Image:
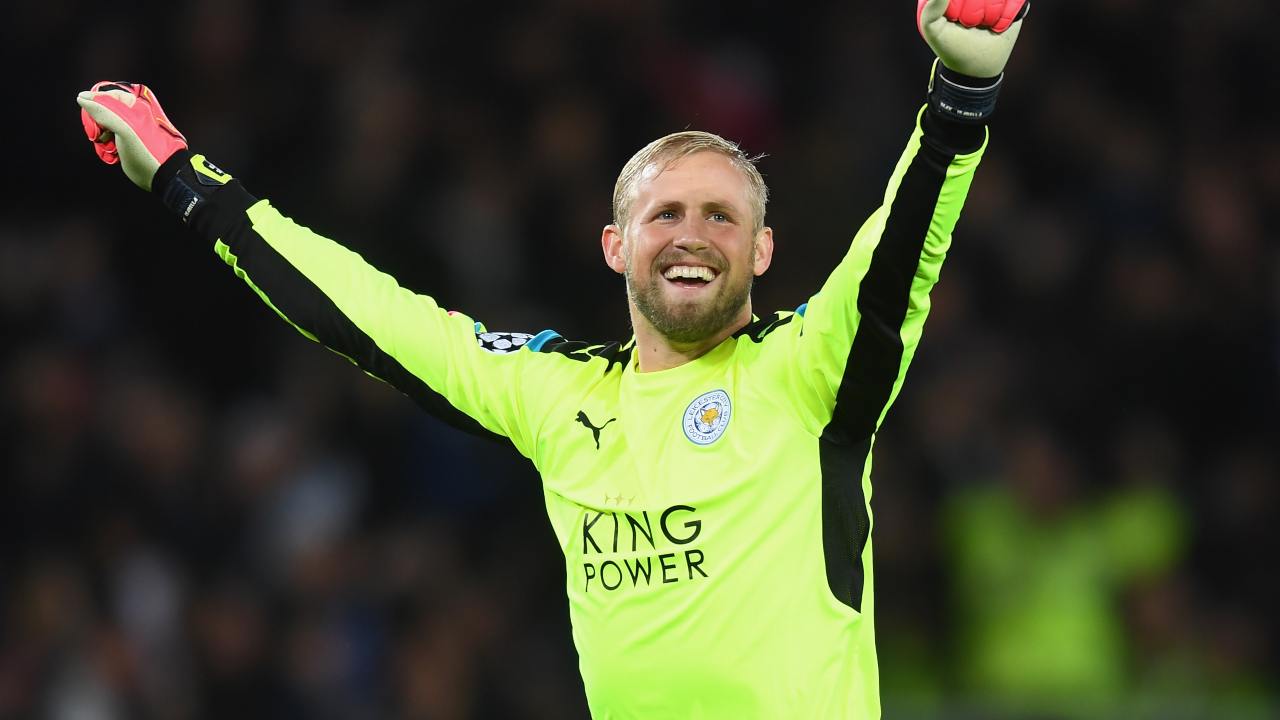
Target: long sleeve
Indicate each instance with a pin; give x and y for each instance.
(443, 360)
(844, 353)
(860, 331)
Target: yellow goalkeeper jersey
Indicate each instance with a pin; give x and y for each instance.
(714, 517)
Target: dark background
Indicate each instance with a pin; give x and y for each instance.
(203, 515)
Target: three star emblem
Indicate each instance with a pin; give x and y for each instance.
(618, 499)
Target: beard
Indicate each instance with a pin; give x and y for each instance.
(694, 320)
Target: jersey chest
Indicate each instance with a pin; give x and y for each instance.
(626, 444)
(650, 476)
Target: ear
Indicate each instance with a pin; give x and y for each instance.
(611, 242)
(762, 251)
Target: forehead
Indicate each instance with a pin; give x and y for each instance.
(700, 176)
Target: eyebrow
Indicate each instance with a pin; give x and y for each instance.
(709, 206)
(721, 206)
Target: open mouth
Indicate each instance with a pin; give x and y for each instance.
(689, 276)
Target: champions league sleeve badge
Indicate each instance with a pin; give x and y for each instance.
(707, 417)
(501, 343)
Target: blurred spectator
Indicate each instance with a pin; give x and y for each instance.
(1039, 572)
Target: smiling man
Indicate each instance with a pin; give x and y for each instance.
(709, 479)
(689, 236)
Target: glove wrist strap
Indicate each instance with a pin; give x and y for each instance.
(961, 97)
(186, 181)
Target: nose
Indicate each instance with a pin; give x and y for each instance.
(688, 237)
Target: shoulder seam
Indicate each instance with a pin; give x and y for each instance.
(615, 352)
(758, 330)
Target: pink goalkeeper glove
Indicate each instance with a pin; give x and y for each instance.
(996, 15)
(126, 124)
(972, 37)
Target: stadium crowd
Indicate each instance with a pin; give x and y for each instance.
(204, 515)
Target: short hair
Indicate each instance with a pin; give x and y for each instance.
(666, 150)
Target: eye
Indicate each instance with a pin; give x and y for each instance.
(665, 215)
(720, 217)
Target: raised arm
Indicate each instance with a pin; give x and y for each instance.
(860, 331)
(442, 360)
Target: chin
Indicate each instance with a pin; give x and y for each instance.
(692, 321)
(691, 315)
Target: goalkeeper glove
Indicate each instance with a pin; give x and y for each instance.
(973, 40)
(126, 124)
(972, 37)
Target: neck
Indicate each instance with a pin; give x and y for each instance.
(655, 351)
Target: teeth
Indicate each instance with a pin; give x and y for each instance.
(689, 272)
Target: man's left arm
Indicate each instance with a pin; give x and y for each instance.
(860, 331)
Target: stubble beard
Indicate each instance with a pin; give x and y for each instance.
(692, 321)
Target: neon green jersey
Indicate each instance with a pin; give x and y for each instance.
(714, 517)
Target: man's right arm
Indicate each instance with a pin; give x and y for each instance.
(442, 360)
(331, 295)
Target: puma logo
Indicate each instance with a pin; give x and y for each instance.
(595, 431)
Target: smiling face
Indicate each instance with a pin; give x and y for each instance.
(690, 247)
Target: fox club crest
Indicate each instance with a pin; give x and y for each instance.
(707, 417)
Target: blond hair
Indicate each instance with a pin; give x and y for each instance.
(666, 150)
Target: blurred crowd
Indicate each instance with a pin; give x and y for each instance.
(204, 515)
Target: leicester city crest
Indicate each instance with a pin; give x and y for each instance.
(707, 417)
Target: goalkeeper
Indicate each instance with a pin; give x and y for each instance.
(708, 480)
